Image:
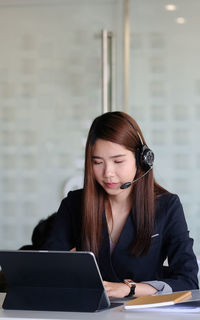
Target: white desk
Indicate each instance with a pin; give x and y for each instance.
(111, 314)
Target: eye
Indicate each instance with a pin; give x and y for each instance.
(97, 162)
(119, 161)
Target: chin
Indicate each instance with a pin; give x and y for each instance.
(113, 191)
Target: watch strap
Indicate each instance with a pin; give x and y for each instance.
(132, 287)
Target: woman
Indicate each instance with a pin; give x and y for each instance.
(130, 222)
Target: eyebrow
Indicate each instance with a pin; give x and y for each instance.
(112, 157)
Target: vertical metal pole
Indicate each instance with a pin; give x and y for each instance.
(104, 71)
(126, 54)
(110, 71)
(107, 71)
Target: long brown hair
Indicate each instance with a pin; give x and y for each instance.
(120, 128)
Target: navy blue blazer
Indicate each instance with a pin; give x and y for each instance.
(170, 239)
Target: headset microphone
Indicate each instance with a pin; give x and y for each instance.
(128, 184)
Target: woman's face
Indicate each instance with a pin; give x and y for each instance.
(113, 165)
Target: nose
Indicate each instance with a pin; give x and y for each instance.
(108, 170)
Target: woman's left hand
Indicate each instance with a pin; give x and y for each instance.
(116, 289)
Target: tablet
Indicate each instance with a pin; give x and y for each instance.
(53, 281)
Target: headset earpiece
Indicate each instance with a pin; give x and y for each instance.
(146, 157)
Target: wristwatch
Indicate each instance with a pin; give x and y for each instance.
(132, 287)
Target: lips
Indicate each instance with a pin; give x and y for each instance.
(111, 185)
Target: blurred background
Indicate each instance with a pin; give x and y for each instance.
(64, 62)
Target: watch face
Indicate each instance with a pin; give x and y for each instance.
(129, 282)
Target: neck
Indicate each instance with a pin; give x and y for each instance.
(117, 211)
(120, 203)
(123, 197)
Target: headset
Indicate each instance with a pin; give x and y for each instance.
(144, 156)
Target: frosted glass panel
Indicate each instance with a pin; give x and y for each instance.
(50, 90)
(165, 95)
